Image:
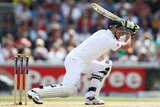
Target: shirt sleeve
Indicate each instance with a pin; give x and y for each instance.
(122, 38)
(117, 45)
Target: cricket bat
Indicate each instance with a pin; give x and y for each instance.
(106, 13)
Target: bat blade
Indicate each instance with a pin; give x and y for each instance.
(106, 13)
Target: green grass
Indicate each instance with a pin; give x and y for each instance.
(9, 98)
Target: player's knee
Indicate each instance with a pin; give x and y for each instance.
(101, 74)
(107, 67)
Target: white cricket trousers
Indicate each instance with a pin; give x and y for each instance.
(74, 67)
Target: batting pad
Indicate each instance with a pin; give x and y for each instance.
(56, 91)
(109, 62)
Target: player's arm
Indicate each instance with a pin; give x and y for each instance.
(127, 43)
(132, 30)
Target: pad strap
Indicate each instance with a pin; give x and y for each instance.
(97, 77)
(41, 87)
(92, 89)
(105, 71)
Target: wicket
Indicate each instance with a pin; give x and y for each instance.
(23, 72)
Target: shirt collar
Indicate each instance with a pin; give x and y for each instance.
(111, 34)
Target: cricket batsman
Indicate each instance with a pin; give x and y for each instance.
(83, 58)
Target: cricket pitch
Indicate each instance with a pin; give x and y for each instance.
(7, 101)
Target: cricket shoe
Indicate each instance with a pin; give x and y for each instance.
(94, 101)
(32, 95)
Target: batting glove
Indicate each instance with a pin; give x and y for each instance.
(132, 26)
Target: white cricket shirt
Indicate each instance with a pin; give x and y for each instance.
(95, 46)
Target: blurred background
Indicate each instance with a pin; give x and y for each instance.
(47, 30)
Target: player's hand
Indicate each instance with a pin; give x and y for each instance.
(134, 28)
